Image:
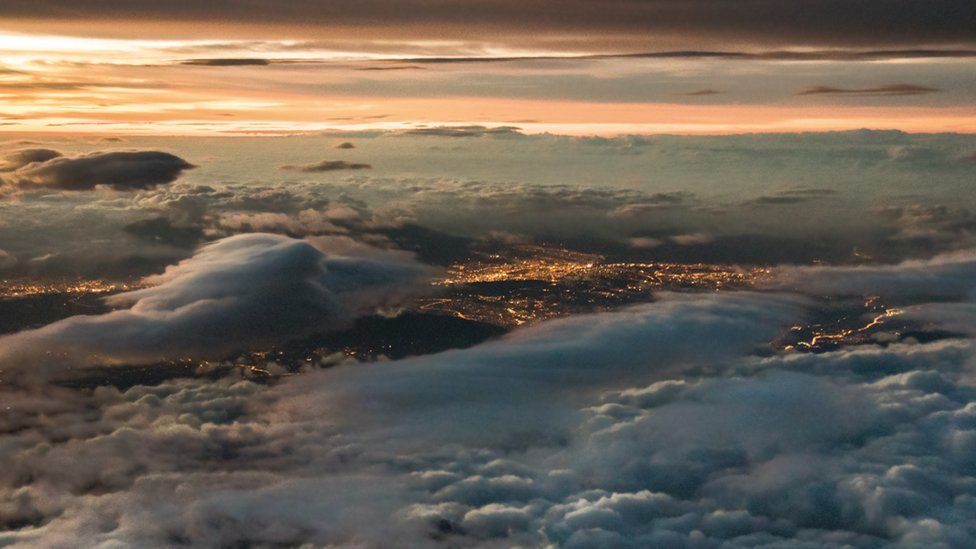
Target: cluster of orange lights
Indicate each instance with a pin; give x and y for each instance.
(553, 282)
(11, 289)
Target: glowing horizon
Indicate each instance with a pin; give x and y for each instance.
(65, 84)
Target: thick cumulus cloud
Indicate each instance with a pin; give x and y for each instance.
(122, 170)
(233, 294)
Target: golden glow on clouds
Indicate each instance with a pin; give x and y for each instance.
(63, 45)
(99, 85)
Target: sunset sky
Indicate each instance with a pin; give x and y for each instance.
(623, 66)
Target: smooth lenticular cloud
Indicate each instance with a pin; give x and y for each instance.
(232, 295)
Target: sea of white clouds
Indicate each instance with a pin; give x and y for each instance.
(667, 424)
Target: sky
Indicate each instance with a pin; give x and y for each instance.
(220, 223)
(577, 68)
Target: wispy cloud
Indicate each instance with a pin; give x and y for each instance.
(227, 62)
(326, 166)
(702, 93)
(890, 90)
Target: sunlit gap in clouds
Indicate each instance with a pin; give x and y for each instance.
(133, 51)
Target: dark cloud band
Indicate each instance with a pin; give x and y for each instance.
(823, 22)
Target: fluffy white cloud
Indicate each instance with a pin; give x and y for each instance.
(229, 462)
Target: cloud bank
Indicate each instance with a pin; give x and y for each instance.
(122, 171)
(654, 426)
(18, 159)
(944, 277)
(668, 424)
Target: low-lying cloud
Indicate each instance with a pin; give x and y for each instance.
(945, 277)
(672, 423)
(122, 170)
(653, 426)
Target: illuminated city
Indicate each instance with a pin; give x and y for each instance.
(12, 289)
(532, 283)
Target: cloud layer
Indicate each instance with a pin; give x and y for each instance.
(595, 192)
(673, 423)
(655, 426)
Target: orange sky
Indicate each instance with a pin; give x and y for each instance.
(67, 84)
